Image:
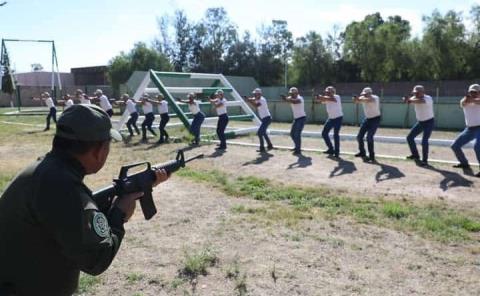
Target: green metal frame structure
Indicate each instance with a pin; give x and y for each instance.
(157, 79)
(5, 64)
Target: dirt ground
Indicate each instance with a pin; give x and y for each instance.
(314, 256)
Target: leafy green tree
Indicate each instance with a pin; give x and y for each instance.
(445, 41)
(312, 63)
(140, 58)
(241, 58)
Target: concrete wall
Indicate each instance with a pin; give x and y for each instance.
(448, 115)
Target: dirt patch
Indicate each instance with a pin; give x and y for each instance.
(313, 257)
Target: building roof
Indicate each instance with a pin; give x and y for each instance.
(43, 78)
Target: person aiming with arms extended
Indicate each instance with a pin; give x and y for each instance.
(259, 102)
(52, 110)
(369, 126)
(131, 108)
(198, 117)
(425, 122)
(147, 123)
(333, 104)
(104, 102)
(299, 117)
(50, 227)
(471, 109)
(220, 103)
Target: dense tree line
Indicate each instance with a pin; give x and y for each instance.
(374, 49)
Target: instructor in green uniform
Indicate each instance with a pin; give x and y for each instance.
(50, 228)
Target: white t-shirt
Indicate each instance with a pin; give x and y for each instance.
(68, 104)
(298, 109)
(424, 111)
(372, 109)
(105, 103)
(84, 101)
(194, 107)
(263, 108)
(49, 103)
(163, 107)
(472, 114)
(334, 109)
(131, 106)
(222, 109)
(147, 107)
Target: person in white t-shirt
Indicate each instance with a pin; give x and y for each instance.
(104, 102)
(82, 98)
(220, 103)
(147, 123)
(333, 104)
(198, 116)
(52, 110)
(164, 119)
(131, 108)
(369, 126)
(299, 117)
(67, 102)
(471, 109)
(425, 122)
(262, 108)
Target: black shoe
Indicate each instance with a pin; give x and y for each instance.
(461, 166)
(423, 163)
(46, 129)
(269, 147)
(370, 159)
(261, 149)
(329, 152)
(160, 141)
(221, 148)
(360, 154)
(297, 152)
(477, 175)
(144, 140)
(413, 157)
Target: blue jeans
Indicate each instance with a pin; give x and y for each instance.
(369, 126)
(296, 132)
(164, 119)
(52, 114)
(221, 126)
(421, 126)
(196, 125)
(262, 132)
(468, 134)
(132, 121)
(147, 123)
(336, 124)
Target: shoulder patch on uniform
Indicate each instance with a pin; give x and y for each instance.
(100, 225)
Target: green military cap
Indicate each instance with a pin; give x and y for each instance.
(86, 123)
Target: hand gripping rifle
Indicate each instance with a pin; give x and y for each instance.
(138, 182)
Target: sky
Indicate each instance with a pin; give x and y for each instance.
(91, 32)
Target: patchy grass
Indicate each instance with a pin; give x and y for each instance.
(431, 221)
(134, 277)
(86, 284)
(240, 279)
(196, 263)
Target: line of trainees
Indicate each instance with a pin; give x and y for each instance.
(423, 105)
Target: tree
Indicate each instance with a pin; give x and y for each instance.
(241, 58)
(444, 40)
(140, 58)
(312, 63)
(360, 46)
(36, 67)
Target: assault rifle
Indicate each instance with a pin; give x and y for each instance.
(138, 182)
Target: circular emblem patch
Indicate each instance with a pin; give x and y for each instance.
(100, 225)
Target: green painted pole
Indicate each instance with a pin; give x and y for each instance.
(158, 83)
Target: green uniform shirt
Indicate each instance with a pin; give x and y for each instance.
(51, 229)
